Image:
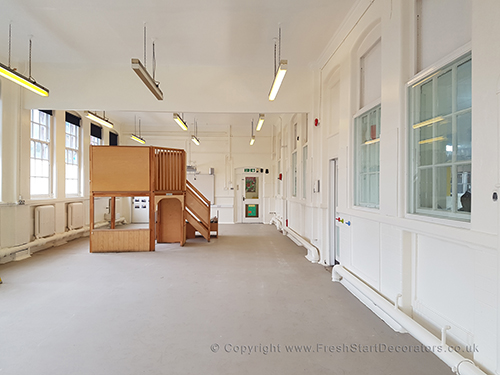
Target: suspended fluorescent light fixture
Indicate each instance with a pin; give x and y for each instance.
(138, 139)
(11, 74)
(100, 120)
(194, 138)
(135, 137)
(252, 140)
(180, 121)
(260, 123)
(279, 74)
(143, 74)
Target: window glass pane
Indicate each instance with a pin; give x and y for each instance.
(425, 188)
(425, 101)
(464, 88)
(464, 136)
(464, 195)
(444, 96)
(36, 131)
(45, 151)
(32, 149)
(443, 188)
(35, 115)
(443, 142)
(424, 135)
(38, 150)
(45, 169)
(294, 174)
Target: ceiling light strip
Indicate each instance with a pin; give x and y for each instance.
(260, 123)
(278, 79)
(180, 121)
(150, 83)
(137, 139)
(23, 81)
(99, 119)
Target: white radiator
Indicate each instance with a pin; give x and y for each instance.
(44, 221)
(75, 215)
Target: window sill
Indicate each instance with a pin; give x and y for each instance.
(439, 220)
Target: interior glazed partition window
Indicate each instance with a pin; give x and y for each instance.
(367, 158)
(40, 154)
(72, 157)
(440, 142)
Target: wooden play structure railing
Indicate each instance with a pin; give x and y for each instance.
(176, 208)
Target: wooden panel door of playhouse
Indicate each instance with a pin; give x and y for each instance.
(170, 222)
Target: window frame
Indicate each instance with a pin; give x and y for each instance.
(357, 157)
(78, 152)
(450, 63)
(50, 157)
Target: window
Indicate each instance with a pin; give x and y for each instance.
(304, 172)
(294, 174)
(367, 158)
(95, 135)
(113, 139)
(72, 154)
(440, 142)
(40, 154)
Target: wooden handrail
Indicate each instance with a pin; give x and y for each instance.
(203, 198)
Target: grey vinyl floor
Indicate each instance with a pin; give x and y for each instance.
(245, 303)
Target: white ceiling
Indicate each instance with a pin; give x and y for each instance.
(199, 33)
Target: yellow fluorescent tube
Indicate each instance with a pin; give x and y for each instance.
(18, 78)
(137, 139)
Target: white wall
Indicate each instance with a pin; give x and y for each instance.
(447, 272)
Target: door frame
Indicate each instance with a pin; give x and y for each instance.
(334, 251)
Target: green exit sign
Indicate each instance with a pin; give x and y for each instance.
(250, 170)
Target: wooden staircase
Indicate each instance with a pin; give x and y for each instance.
(197, 211)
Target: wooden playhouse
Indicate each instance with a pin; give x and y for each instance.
(176, 209)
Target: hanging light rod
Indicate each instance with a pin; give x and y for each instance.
(260, 123)
(252, 140)
(26, 82)
(100, 120)
(143, 74)
(180, 121)
(279, 73)
(137, 139)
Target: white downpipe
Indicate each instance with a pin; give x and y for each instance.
(8, 251)
(312, 251)
(455, 361)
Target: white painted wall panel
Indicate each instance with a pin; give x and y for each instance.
(365, 255)
(445, 26)
(371, 79)
(445, 284)
(391, 261)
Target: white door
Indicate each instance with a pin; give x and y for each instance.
(251, 197)
(332, 208)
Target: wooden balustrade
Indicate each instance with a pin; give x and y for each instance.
(170, 170)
